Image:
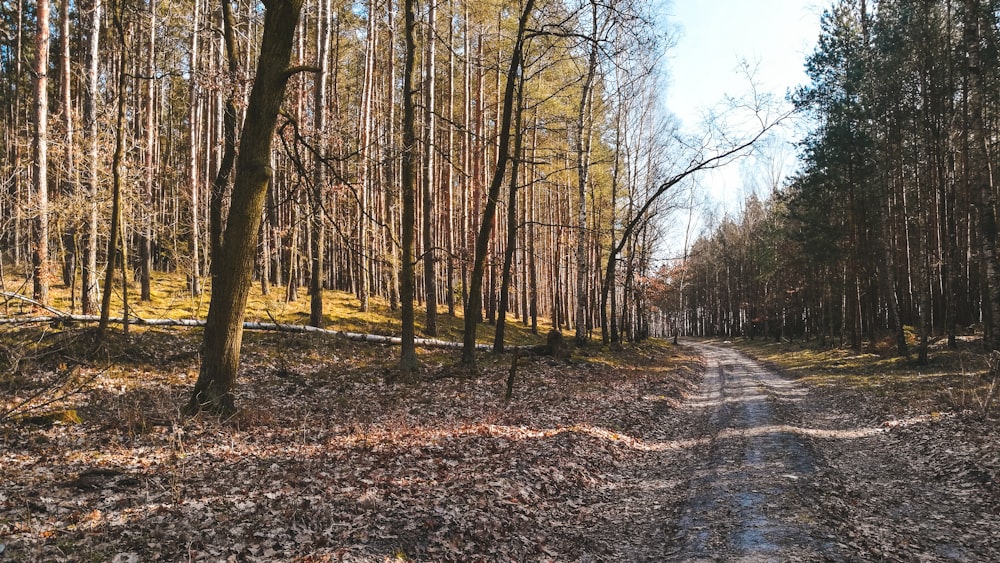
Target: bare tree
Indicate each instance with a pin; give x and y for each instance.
(149, 95)
(117, 250)
(220, 186)
(88, 286)
(503, 154)
(224, 329)
(40, 256)
(318, 211)
(66, 109)
(512, 220)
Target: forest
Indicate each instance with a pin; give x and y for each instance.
(288, 280)
(887, 234)
(478, 158)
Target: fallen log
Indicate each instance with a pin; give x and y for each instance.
(64, 317)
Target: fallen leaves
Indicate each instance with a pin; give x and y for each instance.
(328, 462)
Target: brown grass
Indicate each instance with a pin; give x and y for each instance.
(953, 379)
(171, 299)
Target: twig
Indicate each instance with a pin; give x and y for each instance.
(62, 381)
(510, 378)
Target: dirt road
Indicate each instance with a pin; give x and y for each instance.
(753, 497)
(756, 467)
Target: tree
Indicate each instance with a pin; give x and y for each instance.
(88, 286)
(980, 170)
(117, 250)
(512, 219)
(213, 391)
(407, 276)
(66, 109)
(40, 256)
(149, 180)
(367, 153)
(427, 181)
(584, 142)
(903, 98)
(318, 214)
(486, 226)
(194, 138)
(698, 163)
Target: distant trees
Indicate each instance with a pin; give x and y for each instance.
(891, 220)
(483, 238)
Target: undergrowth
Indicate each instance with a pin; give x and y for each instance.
(171, 299)
(961, 379)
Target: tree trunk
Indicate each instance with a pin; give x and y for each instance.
(88, 285)
(40, 255)
(430, 283)
(583, 144)
(149, 97)
(220, 186)
(391, 199)
(194, 123)
(368, 169)
(115, 243)
(449, 181)
(982, 173)
(407, 277)
(66, 108)
(224, 329)
(485, 227)
(508, 255)
(531, 210)
(319, 178)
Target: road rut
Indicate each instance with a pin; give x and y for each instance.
(751, 496)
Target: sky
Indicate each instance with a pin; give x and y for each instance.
(712, 38)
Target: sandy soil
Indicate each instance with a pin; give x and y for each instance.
(766, 469)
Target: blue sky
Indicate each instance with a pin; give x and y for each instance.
(712, 37)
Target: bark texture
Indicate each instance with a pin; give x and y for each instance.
(224, 329)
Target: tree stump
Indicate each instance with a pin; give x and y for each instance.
(555, 345)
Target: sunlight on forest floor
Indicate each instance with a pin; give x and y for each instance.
(953, 379)
(324, 458)
(170, 298)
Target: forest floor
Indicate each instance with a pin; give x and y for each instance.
(614, 455)
(325, 460)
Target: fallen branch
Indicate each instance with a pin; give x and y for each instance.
(61, 389)
(510, 377)
(26, 299)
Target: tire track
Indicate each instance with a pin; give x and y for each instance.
(752, 497)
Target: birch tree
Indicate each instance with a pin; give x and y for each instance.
(90, 183)
(40, 255)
